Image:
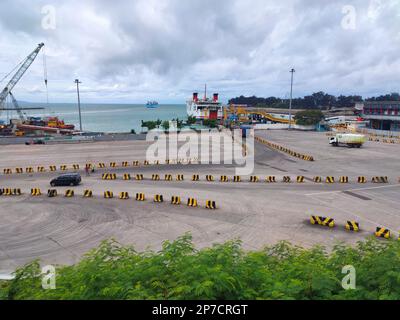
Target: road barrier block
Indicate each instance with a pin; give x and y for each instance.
(113, 164)
(382, 233)
(156, 162)
(109, 176)
(19, 170)
(330, 179)
(69, 193)
(179, 177)
(195, 177)
(16, 192)
(317, 179)
(88, 193)
(125, 164)
(140, 197)
(158, 198)
(237, 179)
(7, 171)
(63, 167)
(7, 192)
(108, 194)
(175, 200)
(53, 168)
(362, 179)
(35, 192)
(254, 179)
(286, 179)
(192, 202)
(210, 204)
(209, 178)
(146, 163)
(29, 170)
(300, 179)
(126, 176)
(51, 193)
(322, 221)
(167, 161)
(41, 169)
(101, 165)
(124, 195)
(270, 179)
(75, 166)
(344, 179)
(223, 179)
(168, 177)
(135, 163)
(155, 177)
(139, 177)
(380, 180)
(352, 226)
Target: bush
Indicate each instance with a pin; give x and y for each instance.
(308, 117)
(224, 271)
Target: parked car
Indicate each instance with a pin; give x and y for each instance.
(69, 179)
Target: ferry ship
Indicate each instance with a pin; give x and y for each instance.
(152, 104)
(205, 108)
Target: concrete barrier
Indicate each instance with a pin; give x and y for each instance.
(108, 194)
(382, 233)
(191, 202)
(35, 192)
(158, 198)
(124, 195)
(175, 200)
(87, 193)
(322, 221)
(179, 177)
(211, 205)
(69, 193)
(352, 226)
(51, 193)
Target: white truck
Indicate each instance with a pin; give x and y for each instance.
(349, 139)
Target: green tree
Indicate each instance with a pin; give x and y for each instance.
(191, 120)
(308, 117)
(165, 125)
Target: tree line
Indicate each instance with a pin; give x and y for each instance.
(319, 100)
(223, 271)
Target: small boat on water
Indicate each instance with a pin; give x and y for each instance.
(152, 104)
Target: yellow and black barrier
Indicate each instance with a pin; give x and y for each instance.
(135, 163)
(69, 193)
(88, 193)
(35, 192)
(63, 167)
(195, 177)
(139, 177)
(124, 195)
(140, 197)
(179, 177)
(127, 176)
(237, 179)
(224, 179)
(270, 179)
(209, 178)
(344, 179)
(286, 179)
(125, 164)
(75, 166)
(352, 226)
(156, 162)
(317, 179)
(101, 165)
(53, 168)
(7, 171)
(146, 163)
(158, 198)
(382, 233)
(16, 192)
(113, 164)
(108, 194)
(29, 170)
(155, 177)
(300, 179)
(168, 177)
(109, 176)
(19, 170)
(7, 192)
(51, 193)
(192, 202)
(41, 169)
(254, 179)
(330, 179)
(175, 200)
(210, 204)
(322, 221)
(362, 179)
(380, 180)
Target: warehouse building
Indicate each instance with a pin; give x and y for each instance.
(382, 115)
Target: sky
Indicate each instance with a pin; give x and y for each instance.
(139, 50)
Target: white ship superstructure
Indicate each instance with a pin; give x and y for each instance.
(205, 108)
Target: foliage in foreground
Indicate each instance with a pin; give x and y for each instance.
(224, 271)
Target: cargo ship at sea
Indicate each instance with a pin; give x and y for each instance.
(205, 108)
(152, 104)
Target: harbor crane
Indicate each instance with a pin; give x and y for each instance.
(23, 67)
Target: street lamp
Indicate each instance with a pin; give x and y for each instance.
(291, 95)
(79, 103)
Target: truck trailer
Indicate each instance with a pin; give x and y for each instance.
(347, 139)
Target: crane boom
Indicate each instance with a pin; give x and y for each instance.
(18, 75)
(17, 107)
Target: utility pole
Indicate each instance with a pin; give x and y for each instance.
(79, 103)
(291, 95)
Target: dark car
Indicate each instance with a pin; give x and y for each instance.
(69, 179)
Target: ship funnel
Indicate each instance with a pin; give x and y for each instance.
(215, 97)
(195, 96)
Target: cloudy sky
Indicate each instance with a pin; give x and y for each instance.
(136, 50)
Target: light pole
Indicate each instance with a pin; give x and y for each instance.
(79, 103)
(291, 95)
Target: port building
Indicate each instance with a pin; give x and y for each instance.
(382, 115)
